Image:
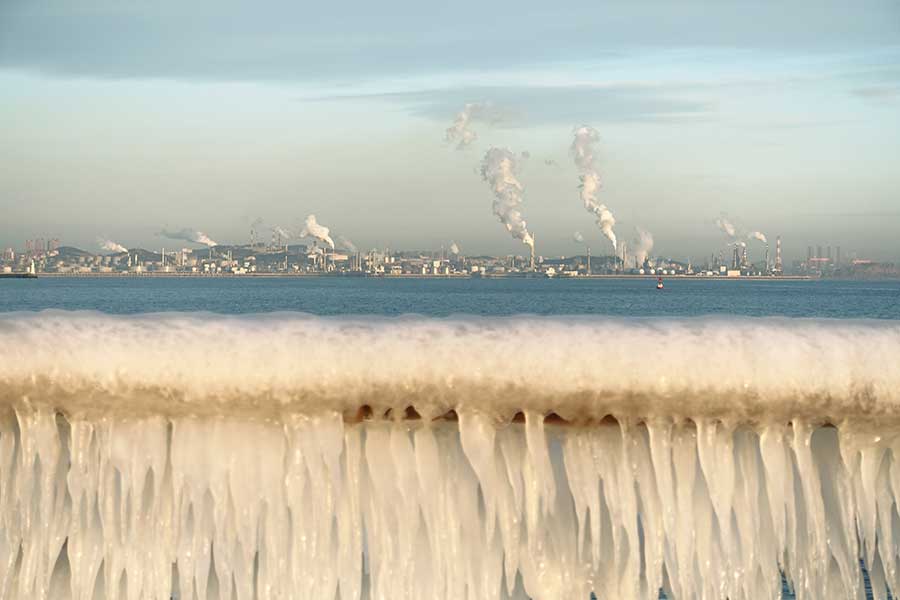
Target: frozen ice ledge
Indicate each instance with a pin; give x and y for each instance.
(745, 370)
(288, 456)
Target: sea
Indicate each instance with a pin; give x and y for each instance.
(433, 297)
(459, 297)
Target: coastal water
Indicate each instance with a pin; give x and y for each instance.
(445, 297)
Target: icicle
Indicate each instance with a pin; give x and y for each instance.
(307, 507)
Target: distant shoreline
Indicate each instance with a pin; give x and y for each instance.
(415, 276)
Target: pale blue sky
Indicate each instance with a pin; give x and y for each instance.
(121, 118)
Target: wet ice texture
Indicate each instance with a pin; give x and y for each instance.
(309, 507)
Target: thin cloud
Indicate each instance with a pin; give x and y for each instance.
(525, 105)
(882, 93)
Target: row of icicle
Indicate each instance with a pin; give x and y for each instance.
(312, 508)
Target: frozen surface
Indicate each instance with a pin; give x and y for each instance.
(582, 368)
(212, 457)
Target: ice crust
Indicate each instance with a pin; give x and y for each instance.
(755, 370)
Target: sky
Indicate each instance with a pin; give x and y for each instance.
(120, 119)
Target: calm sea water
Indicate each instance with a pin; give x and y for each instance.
(442, 297)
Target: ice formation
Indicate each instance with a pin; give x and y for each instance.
(217, 457)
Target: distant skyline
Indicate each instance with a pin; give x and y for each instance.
(121, 120)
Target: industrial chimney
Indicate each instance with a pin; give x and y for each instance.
(532, 253)
(779, 267)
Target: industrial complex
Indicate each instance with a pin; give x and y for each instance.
(279, 257)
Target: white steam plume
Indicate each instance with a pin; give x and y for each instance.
(111, 245)
(498, 168)
(189, 235)
(726, 226)
(346, 244)
(643, 244)
(578, 237)
(583, 153)
(312, 229)
(454, 248)
(757, 235)
(731, 231)
(461, 132)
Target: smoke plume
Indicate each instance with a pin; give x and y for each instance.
(498, 169)
(346, 244)
(757, 235)
(312, 229)
(461, 132)
(454, 249)
(729, 229)
(189, 235)
(726, 226)
(111, 245)
(578, 237)
(583, 153)
(643, 244)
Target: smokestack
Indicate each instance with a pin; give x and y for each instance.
(779, 268)
(589, 260)
(532, 252)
